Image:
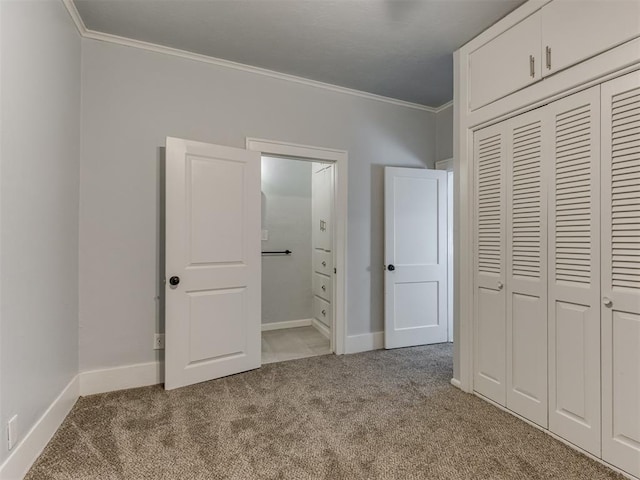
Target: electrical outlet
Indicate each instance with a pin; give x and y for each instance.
(12, 431)
(158, 341)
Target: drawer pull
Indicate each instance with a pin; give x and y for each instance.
(324, 313)
(532, 66)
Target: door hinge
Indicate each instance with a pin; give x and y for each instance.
(335, 270)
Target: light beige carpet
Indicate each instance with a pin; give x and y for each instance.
(375, 415)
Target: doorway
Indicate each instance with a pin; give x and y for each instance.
(297, 258)
(213, 256)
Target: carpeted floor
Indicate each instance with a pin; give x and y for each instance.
(375, 415)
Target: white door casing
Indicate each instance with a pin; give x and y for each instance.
(489, 264)
(621, 273)
(574, 269)
(415, 257)
(213, 247)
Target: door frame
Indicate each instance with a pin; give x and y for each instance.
(447, 165)
(340, 159)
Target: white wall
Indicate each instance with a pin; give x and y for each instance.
(444, 134)
(39, 152)
(132, 99)
(286, 214)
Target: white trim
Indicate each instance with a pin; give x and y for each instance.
(365, 342)
(29, 449)
(456, 383)
(321, 327)
(340, 157)
(152, 47)
(557, 437)
(75, 16)
(121, 378)
(444, 106)
(304, 322)
(445, 165)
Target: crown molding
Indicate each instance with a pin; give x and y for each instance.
(152, 47)
(75, 16)
(444, 106)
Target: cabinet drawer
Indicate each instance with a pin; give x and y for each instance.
(323, 286)
(323, 262)
(323, 311)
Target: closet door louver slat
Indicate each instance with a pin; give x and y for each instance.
(489, 240)
(574, 269)
(621, 273)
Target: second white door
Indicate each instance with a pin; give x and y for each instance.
(415, 257)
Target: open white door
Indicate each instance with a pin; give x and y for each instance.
(212, 293)
(415, 279)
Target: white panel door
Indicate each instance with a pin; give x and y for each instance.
(415, 281)
(574, 269)
(621, 273)
(489, 246)
(573, 31)
(212, 262)
(526, 284)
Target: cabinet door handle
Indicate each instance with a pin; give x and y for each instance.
(532, 66)
(607, 302)
(500, 285)
(548, 51)
(323, 288)
(324, 313)
(324, 264)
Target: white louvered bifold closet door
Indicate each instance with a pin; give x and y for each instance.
(489, 240)
(621, 273)
(526, 285)
(574, 269)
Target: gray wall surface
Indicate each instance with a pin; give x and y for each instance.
(132, 99)
(444, 134)
(286, 214)
(39, 161)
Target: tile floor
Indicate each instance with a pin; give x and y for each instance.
(292, 343)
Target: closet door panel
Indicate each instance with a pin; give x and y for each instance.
(574, 269)
(621, 273)
(489, 240)
(526, 285)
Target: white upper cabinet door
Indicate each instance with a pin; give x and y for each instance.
(573, 31)
(526, 285)
(621, 273)
(212, 293)
(507, 63)
(574, 269)
(490, 258)
(415, 281)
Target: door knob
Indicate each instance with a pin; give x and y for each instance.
(607, 302)
(391, 268)
(500, 285)
(174, 281)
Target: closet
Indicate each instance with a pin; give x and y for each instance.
(322, 239)
(557, 269)
(548, 163)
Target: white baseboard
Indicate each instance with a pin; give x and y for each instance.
(321, 327)
(456, 383)
(305, 322)
(29, 449)
(365, 342)
(120, 378)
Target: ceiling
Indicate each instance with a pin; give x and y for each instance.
(396, 48)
